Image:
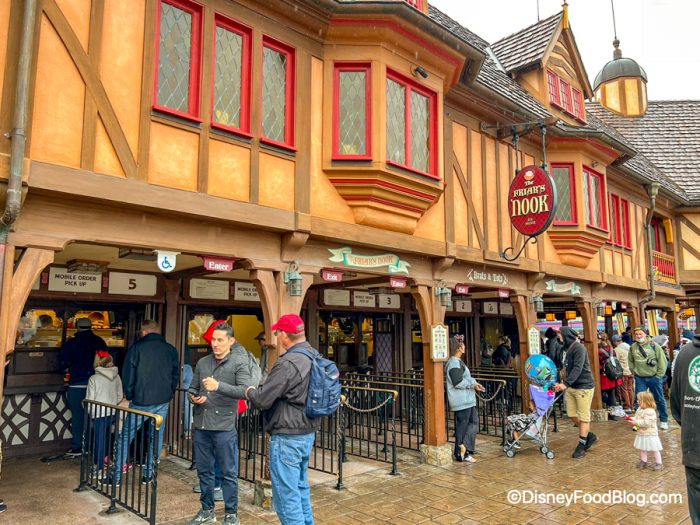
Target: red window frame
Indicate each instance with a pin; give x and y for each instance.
(620, 219)
(338, 68)
(572, 193)
(565, 89)
(656, 227)
(290, 92)
(553, 84)
(195, 11)
(411, 85)
(579, 110)
(247, 35)
(601, 195)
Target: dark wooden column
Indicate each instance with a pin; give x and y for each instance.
(590, 336)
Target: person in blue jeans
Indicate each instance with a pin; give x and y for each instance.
(647, 361)
(283, 397)
(151, 376)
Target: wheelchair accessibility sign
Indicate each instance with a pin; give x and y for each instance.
(166, 260)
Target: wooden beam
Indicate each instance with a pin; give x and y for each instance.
(87, 151)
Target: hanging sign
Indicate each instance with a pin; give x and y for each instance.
(533, 340)
(506, 309)
(461, 289)
(532, 201)
(209, 289)
(217, 264)
(571, 287)
(503, 293)
(166, 260)
(386, 300)
(132, 284)
(345, 256)
(397, 282)
(61, 280)
(336, 297)
(363, 300)
(463, 306)
(439, 343)
(245, 292)
(331, 276)
(487, 277)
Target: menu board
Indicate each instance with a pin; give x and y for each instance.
(336, 297)
(506, 309)
(533, 340)
(489, 307)
(439, 343)
(209, 289)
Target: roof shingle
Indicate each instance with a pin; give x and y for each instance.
(527, 46)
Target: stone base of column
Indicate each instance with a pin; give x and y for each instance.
(438, 456)
(600, 414)
(263, 495)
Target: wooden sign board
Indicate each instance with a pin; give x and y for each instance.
(439, 343)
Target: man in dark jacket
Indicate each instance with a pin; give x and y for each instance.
(553, 347)
(78, 357)
(579, 385)
(150, 376)
(283, 398)
(219, 381)
(685, 407)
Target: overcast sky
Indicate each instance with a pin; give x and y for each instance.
(661, 35)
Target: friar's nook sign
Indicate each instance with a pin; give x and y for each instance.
(532, 201)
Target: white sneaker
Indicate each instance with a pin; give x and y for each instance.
(663, 425)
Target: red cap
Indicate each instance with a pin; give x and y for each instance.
(207, 336)
(290, 323)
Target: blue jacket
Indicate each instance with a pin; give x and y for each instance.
(460, 385)
(151, 371)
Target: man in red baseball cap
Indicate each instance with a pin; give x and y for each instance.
(283, 397)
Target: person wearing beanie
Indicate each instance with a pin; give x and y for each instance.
(648, 363)
(685, 407)
(579, 386)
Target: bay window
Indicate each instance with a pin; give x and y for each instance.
(594, 199)
(563, 176)
(620, 222)
(410, 125)
(352, 111)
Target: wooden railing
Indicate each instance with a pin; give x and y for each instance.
(665, 267)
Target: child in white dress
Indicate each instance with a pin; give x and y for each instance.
(647, 439)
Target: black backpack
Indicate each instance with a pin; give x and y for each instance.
(612, 367)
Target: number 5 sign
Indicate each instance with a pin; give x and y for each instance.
(121, 283)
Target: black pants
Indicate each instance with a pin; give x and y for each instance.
(466, 428)
(609, 397)
(692, 478)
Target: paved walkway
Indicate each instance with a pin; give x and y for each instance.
(460, 493)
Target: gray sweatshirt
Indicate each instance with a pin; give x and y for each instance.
(104, 386)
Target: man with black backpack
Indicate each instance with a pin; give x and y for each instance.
(302, 387)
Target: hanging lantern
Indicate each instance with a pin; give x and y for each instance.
(538, 301)
(551, 317)
(444, 294)
(608, 309)
(689, 312)
(601, 309)
(570, 314)
(293, 280)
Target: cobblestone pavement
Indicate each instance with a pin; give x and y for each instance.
(460, 493)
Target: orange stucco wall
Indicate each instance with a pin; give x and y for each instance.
(276, 182)
(173, 157)
(229, 171)
(4, 30)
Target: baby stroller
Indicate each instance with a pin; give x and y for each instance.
(535, 425)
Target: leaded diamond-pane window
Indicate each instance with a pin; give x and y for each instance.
(420, 132)
(228, 78)
(395, 122)
(352, 112)
(274, 94)
(587, 197)
(174, 58)
(562, 180)
(593, 199)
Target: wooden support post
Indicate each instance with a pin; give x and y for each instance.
(434, 451)
(526, 317)
(17, 283)
(590, 336)
(172, 313)
(673, 334)
(634, 317)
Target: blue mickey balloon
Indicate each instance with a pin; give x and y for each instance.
(541, 371)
